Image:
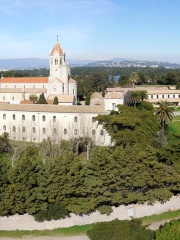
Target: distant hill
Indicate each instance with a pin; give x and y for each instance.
(31, 63)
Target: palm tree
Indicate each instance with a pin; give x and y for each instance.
(133, 79)
(33, 98)
(165, 113)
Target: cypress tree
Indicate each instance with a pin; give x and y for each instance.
(55, 102)
(42, 99)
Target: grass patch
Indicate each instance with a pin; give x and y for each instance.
(177, 109)
(71, 231)
(160, 217)
(174, 127)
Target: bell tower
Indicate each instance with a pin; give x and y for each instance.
(58, 67)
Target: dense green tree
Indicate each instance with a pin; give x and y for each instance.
(170, 231)
(5, 145)
(55, 102)
(146, 106)
(141, 78)
(134, 98)
(21, 195)
(42, 99)
(120, 230)
(130, 126)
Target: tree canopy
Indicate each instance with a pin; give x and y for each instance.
(129, 125)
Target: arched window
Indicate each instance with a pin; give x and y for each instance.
(43, 118)
(33, 118)
(14, 128)
(60, 61)
(44, 130)
(54, 131)
(4, 128)
(4, 116)
(65, 131)
(75, 119)
(75, 131)
(56, 61)
(93, 132)
(23, 117)
(14, 116)
(34, 130)
(23, 129)
(102, 132)
(34, 139)
(54, 118)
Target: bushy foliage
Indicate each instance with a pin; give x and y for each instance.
(170, 231)
(146, 106)
(55, 102)
(53, 212)
(105, 210)
(120, 230)
(50, 174)
(42, 99)
(5, 145)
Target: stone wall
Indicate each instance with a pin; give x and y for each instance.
(27, 222)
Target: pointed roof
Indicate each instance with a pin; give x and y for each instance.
(57, 48)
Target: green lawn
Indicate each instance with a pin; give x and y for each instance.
(71, 231)
(161, 217)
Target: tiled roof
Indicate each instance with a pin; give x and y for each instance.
(52, 108)
(150, 90)
(63, 98)
(20, 90)
(72, 80)
(96, 95)
(114, 95)
(57, 49)
(26, 102)
(24, 80)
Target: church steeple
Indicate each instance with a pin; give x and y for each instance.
(57, 49)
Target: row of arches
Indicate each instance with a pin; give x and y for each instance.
(55, 131)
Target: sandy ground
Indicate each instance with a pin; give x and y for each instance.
(81, 237)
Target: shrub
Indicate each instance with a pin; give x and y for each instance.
(54, 212)
(105, 210)
(120, 230)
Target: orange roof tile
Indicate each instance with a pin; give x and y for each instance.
(24, 80)
(72, 80)
(57, 49)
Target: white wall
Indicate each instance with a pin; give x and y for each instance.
(110, 103)
(40, 125)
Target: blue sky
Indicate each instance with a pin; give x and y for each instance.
(91, 29)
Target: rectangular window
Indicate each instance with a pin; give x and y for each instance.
(113, 106)
(75, 132)
(162, 96)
